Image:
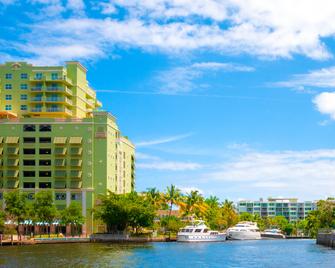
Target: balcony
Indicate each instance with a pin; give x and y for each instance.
(60, 79)
(13, 150)
(60, 174)
(60, 89)
(12, 173)
(36, 99)
(60, 151)
(76, 174)
(13, 162)
(59, 100)
(36, 89)
(60, 162)
(36, 110)
(76, 162)
(76, 151)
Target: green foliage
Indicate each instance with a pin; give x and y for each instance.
(72, 215)
(193, 204)
(44, 207)
(16, 206)
(172, 223)
(245, 216)
(121, 211)
(2, 221)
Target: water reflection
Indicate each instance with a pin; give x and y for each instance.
(281, 253)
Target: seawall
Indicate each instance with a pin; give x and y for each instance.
(326, 238)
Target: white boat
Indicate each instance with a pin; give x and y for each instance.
(199, 232)
(244, 231)
(273, 233)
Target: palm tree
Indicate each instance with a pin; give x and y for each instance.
(172, 197)
(154, 197)
(194, 204)
(212, 201)
(229, 214)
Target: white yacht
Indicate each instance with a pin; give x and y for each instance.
(244, 231)
(273, 233)
(199, 232)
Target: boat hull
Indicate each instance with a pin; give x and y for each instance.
(201, 238)
(273, 236)
(243, 236)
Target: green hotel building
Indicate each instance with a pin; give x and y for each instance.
(292, 209)
(53, 136)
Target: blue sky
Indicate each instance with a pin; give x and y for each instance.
(234, 98)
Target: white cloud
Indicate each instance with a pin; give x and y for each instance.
(77, 6)
(169, 165)
(325, 103)
(322, 78)
(163, 140)
(287, 172)
(277, 28)
(189, 189)
(183, 79)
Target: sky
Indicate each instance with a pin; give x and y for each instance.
(234, 98)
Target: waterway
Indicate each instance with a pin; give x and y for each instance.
(262, 253)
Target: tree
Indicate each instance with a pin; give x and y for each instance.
(229, 215)
(172, 197)
(245, 216)
(44, 208)
(16, 207)
(154, 197)
(72, 215)
(173, 223)
(119, 212)
(213, 213)
(194, 204)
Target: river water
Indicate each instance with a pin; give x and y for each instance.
(262, 253)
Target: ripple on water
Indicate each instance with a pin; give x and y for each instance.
(263, 253)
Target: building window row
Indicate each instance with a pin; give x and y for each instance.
(22, 75)
(32, 173)
(32, 128)
(33, 151)
(22, 86)
(33, 140)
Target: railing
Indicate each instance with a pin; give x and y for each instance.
(36, 88)
(36, 110)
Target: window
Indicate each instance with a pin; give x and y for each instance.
(45, 162)
(45, 140)
(76, 196)
(54, 76)
(24, 107)
(45, 151)
(29, 128)
(23, 86)
(8, 86)
(45, 174)
(29, 162)
(60, 196)
(44, 185)
(29, 140)
(24, 97)
(38, 76)
(45, 128)
(29, 185)
(8, 97)
(8, 76)
(29, 151)
(24, 76)
(8, 107)
(29, 173)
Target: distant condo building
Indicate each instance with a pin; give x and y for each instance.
(290, 208)
(53, 136)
